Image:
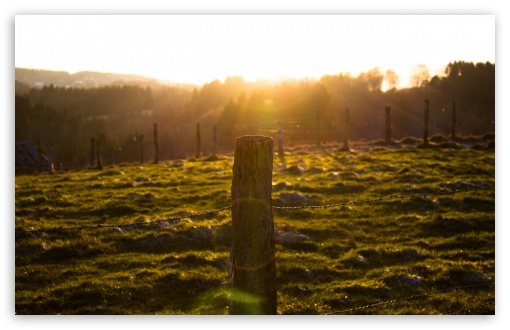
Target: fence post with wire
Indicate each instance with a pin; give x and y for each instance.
(252, 267)
(454, 120)
(346, 130)
(280, 139)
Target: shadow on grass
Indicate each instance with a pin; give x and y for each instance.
(168, 292)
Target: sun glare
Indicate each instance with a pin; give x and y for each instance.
(199, 49)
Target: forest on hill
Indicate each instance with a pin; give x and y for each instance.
(122, 114)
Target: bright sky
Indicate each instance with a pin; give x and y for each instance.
(201, 48)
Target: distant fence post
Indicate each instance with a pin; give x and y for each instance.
(388, 126)
(252, 258)
(198, 141)
(98, 156)
(92, 151)
(454, 120)
(156, 144)
(280, 139)
(426, 124)
(346, 130)
(140, 140)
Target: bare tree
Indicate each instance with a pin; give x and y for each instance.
(420, 75)
(392, 79)
(374, 78)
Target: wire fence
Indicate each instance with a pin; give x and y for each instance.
(174, 220)
(421, 296)
(465, 310)
(159, 222)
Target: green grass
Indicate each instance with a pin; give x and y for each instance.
(341, 258)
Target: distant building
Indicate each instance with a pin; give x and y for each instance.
(28, 160)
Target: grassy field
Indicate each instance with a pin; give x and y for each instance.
(423, 255)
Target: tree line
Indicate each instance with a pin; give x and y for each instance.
(121, 116)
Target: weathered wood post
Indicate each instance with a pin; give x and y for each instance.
(252, 258)
(454, 121)
(198, 141)
(317, 128)
(156, 144)
(426, 124)
(92, 152)
(98, 156)
(280, 140)
(140, 140)
(387, 139)
(346, 130)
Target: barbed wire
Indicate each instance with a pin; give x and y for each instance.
(177, 219)
(381, 199)
(416, 296)
(174, 220)
(158, 221)
(492, 302)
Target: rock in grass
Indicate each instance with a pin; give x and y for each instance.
(412, 280)
(293, 198)
(295, 169)
(315, 170)
(290, 237)
(281, 186)
(117, 230)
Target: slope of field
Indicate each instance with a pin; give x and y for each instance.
(430, 254)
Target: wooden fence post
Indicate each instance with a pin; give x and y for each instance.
(454, 121)
(426, 124)
(92, 151)
(98, 156)
(346, 130)
(388, 126)
(156, 144)
(280, 139)
(198, 141)
(252, 258)
(140, 140)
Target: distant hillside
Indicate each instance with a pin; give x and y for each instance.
(84, 79)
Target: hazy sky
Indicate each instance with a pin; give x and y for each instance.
(201, 48)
